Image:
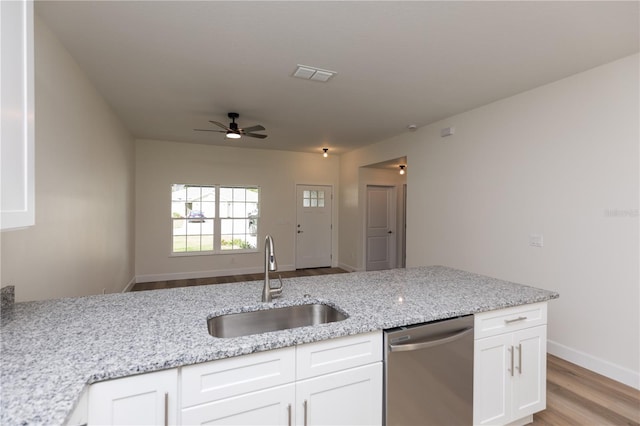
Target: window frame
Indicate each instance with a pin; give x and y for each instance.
(217, 222)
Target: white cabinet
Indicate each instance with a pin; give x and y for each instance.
(17, 104)
(510, 364)
(146, 399)
(340, 381)
(350, 397)
(250, 389)
(272, 407)
(333, 382)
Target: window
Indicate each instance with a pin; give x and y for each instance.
(214, 218)
(312, 198)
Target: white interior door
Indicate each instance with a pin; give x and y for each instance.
(381, 219)
(313, 229)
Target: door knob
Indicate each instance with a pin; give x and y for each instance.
(390, 232)
(300, 232)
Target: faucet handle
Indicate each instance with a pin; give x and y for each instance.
(276, 291)
(278, 287)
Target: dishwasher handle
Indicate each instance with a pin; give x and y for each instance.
(430, 343)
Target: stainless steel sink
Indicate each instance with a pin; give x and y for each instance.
(256, 322)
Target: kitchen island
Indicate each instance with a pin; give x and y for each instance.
(51, 350)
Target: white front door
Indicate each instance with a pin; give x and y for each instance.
(381, 219)
(313, 228)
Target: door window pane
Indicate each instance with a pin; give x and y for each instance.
(313, 198)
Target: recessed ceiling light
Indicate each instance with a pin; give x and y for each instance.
(312, 73)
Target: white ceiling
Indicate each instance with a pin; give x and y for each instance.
(169, 67)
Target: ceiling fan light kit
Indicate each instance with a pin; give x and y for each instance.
(232, 131)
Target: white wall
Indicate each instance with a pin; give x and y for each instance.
(82, 241)
(561, 161)
(161, 163)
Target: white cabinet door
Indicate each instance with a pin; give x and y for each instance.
(350, 397)
(268, 407)
(509, 376)
(530, 379)
(492, 380)
(17, 174)
(146, 399)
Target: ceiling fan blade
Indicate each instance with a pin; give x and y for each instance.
(253, 128)
(219, 125)
(255, 135)
(209, 130)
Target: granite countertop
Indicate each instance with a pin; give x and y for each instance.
(52, 349)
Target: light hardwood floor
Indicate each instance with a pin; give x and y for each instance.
(575, 396)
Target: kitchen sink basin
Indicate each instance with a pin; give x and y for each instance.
(256, 322)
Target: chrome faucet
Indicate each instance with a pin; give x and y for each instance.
(270, 264)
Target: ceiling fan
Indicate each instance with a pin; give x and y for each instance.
(233, 131)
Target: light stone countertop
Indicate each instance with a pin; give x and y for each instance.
(52, 349)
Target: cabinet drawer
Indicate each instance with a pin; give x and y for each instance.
(224, 378)
(511, 319)
(328, 356)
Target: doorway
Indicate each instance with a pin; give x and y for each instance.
(381, 227)
(383, 208)
(313, 226)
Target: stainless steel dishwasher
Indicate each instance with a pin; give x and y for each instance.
(429, 373)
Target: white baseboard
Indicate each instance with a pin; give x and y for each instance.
(205, 274)
(349, 268)
(129, 286)
(598, 365)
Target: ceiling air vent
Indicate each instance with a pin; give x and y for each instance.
(312, 73)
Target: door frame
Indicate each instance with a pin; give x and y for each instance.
(334, 218)
(394, 220)
(403, 230)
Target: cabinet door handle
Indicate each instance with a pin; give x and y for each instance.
(289, 410)
(520, 358)
(166, 409)
(305, 412)
(511, 350)
(509, 321)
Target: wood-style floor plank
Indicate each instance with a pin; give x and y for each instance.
(577, 396)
